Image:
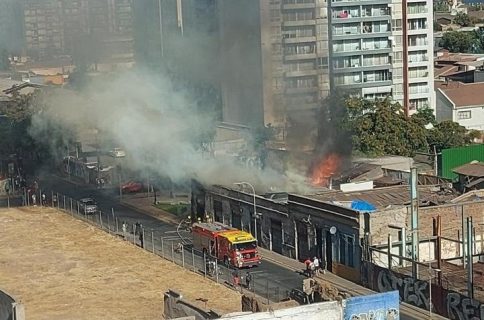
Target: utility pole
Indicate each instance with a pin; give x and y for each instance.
(470, 260)
(414, 224)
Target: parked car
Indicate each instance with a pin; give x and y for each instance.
(132, 186)
(117, 153)
(88, 206)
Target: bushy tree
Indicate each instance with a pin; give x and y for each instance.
(456, 41)
(380, 127)
(462, 19)
(448, 134)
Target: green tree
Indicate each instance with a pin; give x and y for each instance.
(381, 127)
(456, 41)
(448, 134)
(462, 19)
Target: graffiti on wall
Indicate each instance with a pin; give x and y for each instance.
(463, 308)
(381, 306)
(412, 291)
(447, 303)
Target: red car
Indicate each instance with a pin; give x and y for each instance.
(132, 186)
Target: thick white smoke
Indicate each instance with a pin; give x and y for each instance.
(158, 126)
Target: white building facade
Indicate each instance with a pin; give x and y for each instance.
(384, 48)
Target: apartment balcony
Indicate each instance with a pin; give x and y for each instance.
(418, 62)
(342, 3)
(417, 31)
(296, 23)
(295, 6)
(301, 90)
(301, 73)
(419, 79)
(300, 39)
(302, 56)
(359, 67)
(419, 47)
(419, 95)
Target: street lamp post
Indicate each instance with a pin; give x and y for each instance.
(255, 207)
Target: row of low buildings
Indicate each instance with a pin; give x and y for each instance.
(351, 229)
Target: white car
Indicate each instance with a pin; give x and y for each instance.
(88, 206)
(117, 153)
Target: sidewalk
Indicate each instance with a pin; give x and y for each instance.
(144, 204)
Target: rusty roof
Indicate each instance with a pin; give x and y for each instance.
(387, 196)
(471, 169)
(464, 94)
(444, 70)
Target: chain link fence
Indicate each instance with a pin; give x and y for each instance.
(171, 248)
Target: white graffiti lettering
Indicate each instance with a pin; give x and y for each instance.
(411, 291)
(460, 307)
(380, 314)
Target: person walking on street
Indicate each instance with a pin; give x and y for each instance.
(43, 199)
(248, 280)
(34, 198)
(124, 228)
(236, 278)
(54, 199)
(316, 265)
(312, 269)
(307, 262)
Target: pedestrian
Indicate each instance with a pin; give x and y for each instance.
(316, 265)
(54, 199)
(137, 227)
(312, 269)
(124, 228)
(307, 262)
(141, 239)
(248, 279)
(34, 198)
(236, 278)
(43, 199)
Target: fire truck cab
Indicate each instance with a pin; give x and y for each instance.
(232, 246)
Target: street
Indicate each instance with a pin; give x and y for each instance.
(266, 274)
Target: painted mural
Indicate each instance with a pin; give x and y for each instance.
(381, 306)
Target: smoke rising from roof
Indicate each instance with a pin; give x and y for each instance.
(158, 126)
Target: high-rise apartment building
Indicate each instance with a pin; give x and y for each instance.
(11, 26)
(278, 60)
(383, 48)
(275, 62)
(60, 27)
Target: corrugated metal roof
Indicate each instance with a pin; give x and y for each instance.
(387, 196)
(471, 169)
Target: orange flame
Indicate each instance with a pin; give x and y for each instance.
(323, 171)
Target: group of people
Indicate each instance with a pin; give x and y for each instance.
(313, 266)
(237, 279)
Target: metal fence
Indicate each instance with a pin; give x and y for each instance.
(170, 248)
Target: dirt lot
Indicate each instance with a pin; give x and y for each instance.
(62, 268)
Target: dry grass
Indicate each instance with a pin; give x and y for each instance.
(62, 268)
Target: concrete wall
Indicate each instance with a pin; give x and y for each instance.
(444, 107)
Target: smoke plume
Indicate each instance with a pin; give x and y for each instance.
(158, 126)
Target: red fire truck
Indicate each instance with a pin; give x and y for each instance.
(232, 246)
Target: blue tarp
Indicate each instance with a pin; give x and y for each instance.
(362, 206)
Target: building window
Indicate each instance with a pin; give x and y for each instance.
(397, 24)
(347, 250)
(462, 115)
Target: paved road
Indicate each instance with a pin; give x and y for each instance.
(266, 277)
